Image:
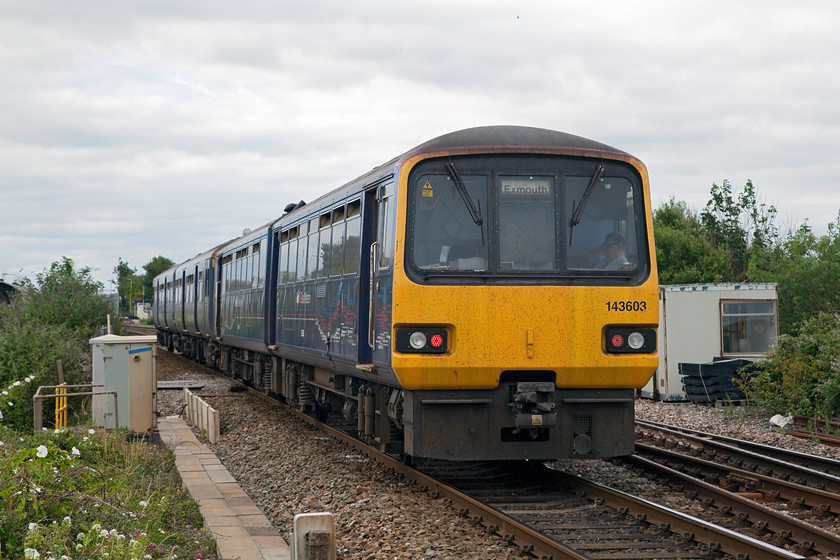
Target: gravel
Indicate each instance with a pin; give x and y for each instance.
(288, 467)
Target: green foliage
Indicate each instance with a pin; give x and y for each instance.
(68, 297)
(807, 270)
(130, 285)
(684, 254)
(741, 224)
(58, 490)
(153, 268)
(54, 321)
(802, 374)
(28, 346)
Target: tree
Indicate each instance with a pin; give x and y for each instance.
(684, 253)
(62, 310)
(153, 268)
(129, 284)
(743, 226)
(807, 270)
(69, 297)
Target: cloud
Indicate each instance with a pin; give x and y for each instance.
(134, 130)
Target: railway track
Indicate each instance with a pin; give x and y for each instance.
(786, 498)
(555, 515)
(141, 330)
(592, 519)
(814, 428)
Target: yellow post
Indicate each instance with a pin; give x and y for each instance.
(61, 407)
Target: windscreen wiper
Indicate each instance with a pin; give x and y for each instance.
(585, 198)
(475, 213)
(462, 190)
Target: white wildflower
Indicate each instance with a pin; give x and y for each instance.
(42, 451)
(76, 452)
(32, 526)
(144, 503)
(17, 384)
(91, 431)
(31, 553)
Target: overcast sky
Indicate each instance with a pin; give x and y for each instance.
(135, 129)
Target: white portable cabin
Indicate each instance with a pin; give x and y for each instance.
(701, 323)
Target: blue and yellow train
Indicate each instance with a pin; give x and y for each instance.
(489, 294)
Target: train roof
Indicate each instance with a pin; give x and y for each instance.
(518, 138)
(482, 139)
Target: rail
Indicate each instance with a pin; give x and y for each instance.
(38, 398)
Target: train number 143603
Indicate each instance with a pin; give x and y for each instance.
(626, 306)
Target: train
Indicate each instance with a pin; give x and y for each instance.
(490, 294)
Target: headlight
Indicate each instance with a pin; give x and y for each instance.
(425, 340)
(417, 340)
(635, 340)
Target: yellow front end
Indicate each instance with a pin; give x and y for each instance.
(493, 329)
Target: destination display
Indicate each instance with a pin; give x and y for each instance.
(527, 187)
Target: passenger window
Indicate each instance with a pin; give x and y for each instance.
(290, 261)
(352, 245)
(336, 253)
(301, 258)
(312, 261)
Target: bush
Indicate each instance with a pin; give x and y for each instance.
(83, 493)
(52, 321)
(70, 493)
(70, 298)
(801, 375)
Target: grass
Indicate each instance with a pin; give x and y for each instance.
(84, 493)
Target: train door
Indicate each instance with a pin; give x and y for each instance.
(195, 293)
(374, 282)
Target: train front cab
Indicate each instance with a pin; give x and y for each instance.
(539, 348)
